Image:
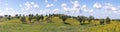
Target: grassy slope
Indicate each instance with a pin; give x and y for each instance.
(57, 26)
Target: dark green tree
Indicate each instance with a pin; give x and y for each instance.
(101, 21)
(80, 18)
(9, 17)
(31, 16)
(108, 20)
(17, 16)
(23, 20)
(64, 18)
(90, 18)
(6, 17)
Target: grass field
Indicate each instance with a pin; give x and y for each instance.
(15, 25)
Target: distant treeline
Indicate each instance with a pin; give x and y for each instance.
(38, 17)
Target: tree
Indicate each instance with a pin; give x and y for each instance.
(6, 17)
(30, 17)
(1, 16)
(23, 20)
(39, 17)
(49, 18)
(80, 19)
(107, 20)
(64, 17)
(90, 18)
(17, 16)
(101, 21)
(9, 17)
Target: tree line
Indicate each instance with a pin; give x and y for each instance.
(38, 17)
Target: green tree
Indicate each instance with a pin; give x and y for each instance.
(64, 17)
(30, 17)
(9, 17)
(80, 18)
(6, 17)
(23, 20)
(90, 18)
(101, 21)
(108, 20)
(17, 16)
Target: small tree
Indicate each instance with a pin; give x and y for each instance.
(90, 18)
(41, 17)
(107, 20)
(6, 17)
(64, 17)
(30, 18)
(37, 17)
(84, 18)
(9, 17)
(80, 18)
(17, 16)
(23, 20)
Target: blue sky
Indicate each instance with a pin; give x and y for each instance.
(96, 8)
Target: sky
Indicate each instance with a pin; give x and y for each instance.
(96, 8)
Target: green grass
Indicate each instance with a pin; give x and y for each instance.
(16, 26)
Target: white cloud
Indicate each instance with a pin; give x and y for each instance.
(110, 7)
(36, 6)
(6, 4)
(97, 5)
(8, 11)
(32, 3)
(49, 5)
(64, 7)
(76, 6)
(91, 10)
(86, 9)
(30, 8)
(56, 11)
(46, 1)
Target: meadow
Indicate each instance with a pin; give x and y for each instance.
(15, 25)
